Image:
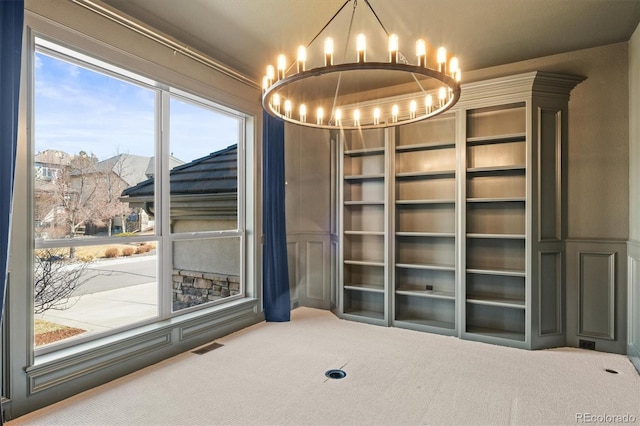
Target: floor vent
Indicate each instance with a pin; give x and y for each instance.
(203, 350)
(335, 374)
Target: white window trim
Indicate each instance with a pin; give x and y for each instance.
(34, 383)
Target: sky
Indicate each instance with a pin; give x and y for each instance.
(77, 109)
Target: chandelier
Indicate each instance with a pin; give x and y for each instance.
(388, 91)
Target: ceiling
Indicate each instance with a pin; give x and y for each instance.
(248, 34)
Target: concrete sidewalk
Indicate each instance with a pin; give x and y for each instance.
(108, 309)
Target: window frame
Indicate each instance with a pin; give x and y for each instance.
(163, 237)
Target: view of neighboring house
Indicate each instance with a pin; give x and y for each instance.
(206, 189)
(76, 194)
(204, 197)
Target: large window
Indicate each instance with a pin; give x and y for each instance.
(136, 199)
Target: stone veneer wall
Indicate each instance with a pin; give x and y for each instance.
(192, 288)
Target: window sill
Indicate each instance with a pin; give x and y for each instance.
(133, 349)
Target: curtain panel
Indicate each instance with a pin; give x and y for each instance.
(275, 277)
(11, 22)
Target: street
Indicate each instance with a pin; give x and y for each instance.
(107, 275)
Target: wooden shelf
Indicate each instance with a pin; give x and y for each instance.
(364, 203)
(426, 234)
(380, 233)
(428, 267)
(363, 152)
(363, 263)
(497, 200)
(426, 322)
(425, 202)
(496, 301)
(431, 294)
(364, 287)
(375, 176)
(498, 169)
(500, 334)
(513, 137)
(425, 146)
(366, 314)
(497, 236)
(504, 272)
(433, 174)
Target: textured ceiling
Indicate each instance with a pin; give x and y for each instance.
(247, 34)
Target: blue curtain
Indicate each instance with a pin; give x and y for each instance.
(11, 22)
(275, 273)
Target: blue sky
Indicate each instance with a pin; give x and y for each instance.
(78, 109)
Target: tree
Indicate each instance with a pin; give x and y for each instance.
(56, 278)
(110, 185)
(83, 192)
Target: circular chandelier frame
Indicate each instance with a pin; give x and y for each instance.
(447, 94)
(452, 96)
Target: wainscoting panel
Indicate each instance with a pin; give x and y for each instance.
(550, 297)
(310, 269)
(294, 275)
(633, 276)
(317, 273)
(550, 176)
(596, 294)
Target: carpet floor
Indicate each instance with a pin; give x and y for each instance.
(274, 374)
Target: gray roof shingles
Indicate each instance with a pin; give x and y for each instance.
(214, 174)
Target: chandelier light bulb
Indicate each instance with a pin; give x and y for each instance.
(458, 75)
(319, 116)
(393, 48)
(265, 83)
(412, 109)
(442, 96)
(356, 117)
(271, 74)
(442, 59)
(282, 65)
(453, 66)
(328, 52)
(421, 52)
(338, 116)
(302, 58)
(376, 116)
(276, 102)
(428, 103)
(303, 113)
(394, 113)
(361, 48)
(287, 108)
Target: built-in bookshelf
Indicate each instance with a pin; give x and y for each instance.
(425, 225)
(496, 175)
(456, 224)
(363, 225)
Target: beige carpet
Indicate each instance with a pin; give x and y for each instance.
(273, 373)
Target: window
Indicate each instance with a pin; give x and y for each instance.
(137, 207)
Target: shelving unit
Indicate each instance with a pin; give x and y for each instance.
(363, 226)
(456, 224)
(495, 221)
(425, 231)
